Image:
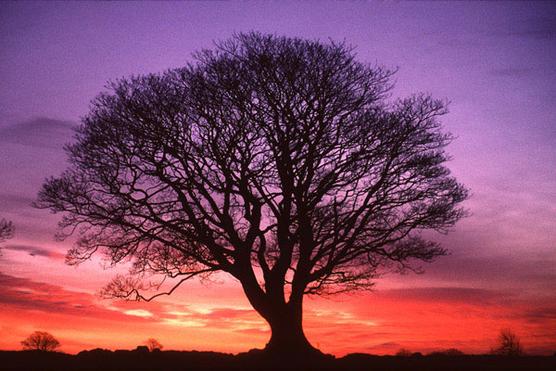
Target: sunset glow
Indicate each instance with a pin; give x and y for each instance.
(493, 61)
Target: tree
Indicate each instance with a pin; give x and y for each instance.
(153, 345)
(508, 344)
(6, 230)
(277, 160)
(40, 340)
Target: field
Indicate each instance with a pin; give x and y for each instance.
(123, 360)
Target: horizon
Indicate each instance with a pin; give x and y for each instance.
(493, 61)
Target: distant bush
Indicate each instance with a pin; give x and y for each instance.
(403, 353)
(141, 349)
(447, 352)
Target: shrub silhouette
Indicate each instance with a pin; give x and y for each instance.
(142, 349)
(40, 340)
(448, 352)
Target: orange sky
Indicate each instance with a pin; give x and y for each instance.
(401, 312)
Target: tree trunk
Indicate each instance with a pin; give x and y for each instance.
(287, 335)
(285, 320)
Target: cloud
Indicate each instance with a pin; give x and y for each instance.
(14, 203)
(22, 295)
(30, 151)
(503, 272)
(221, 317)
(259, 332)
(540, 28)
(451, 295)
(138, 313)
(428, 318)
(541, 315)
(228, 313)
(183, 322)
(512, 72)
(39, 132)
(36, 251)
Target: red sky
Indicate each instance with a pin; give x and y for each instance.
(494, 61)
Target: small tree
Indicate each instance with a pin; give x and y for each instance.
(153, 344)
(40, 340)
(276, 160)
(508, 344)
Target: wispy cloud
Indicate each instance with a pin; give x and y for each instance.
(540, 28)
(492, 271)
(453, 295)
(235, 319)
(14, 202)
(512, 71)
(38, 132)
(138, 313)
(22, 294)
(36, 251)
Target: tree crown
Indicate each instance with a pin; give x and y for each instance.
(277, 160)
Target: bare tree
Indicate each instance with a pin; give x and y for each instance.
(40, 340)
(508, 344)
(6, 230)
(277, 160)
(153, 344)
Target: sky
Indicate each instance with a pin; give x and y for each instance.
(495, 63)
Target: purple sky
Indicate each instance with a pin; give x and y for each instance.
(496, 63)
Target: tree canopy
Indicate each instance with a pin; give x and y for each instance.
(280, 161)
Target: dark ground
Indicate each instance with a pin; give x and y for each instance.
(123, 360)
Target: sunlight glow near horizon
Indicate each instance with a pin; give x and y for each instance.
(494, 61)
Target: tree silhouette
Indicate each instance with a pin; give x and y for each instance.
(508, 344)
(6, 230)
(153, 344)
(40, 340)
(277, 160)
